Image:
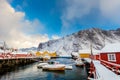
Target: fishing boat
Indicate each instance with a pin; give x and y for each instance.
(54, 67)
(68, 67)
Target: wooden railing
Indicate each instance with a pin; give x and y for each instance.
(93, 73)
(14, 56)
(113, 66)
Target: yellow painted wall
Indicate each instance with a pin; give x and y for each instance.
(53, 54)
(38, 54)
(84, 55)
(46, 53)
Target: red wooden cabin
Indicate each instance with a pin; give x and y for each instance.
(113, 57)
(111, 60)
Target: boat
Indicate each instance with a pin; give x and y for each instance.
(41, 65)
(79, 63)
(75, 55)
(54, 67)
(68, 67)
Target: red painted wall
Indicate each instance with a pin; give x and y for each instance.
(97, 57)
(104, 56)
(118, 57)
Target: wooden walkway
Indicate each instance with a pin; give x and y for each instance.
(102, 72)
(105, 73)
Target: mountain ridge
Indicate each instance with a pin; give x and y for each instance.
(81, 40)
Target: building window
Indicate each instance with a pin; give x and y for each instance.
(111, 57)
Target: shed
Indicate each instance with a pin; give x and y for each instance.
(111, 53)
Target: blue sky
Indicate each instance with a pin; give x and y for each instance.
(47, 12)
(52, 13)
(26, 23)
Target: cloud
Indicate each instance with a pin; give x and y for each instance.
(55, 37)
(15, 29)
(76, 11)
(110, 9)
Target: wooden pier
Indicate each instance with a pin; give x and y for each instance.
(99, 71)
(7, 65)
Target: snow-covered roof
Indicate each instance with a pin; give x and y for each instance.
(6, 51)
(89, 51)
(1, 51)
(111, 48)
(19, 52)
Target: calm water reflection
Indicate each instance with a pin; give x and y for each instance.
(31, 72)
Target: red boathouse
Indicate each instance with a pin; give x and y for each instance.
(113, 57)
(110, 57)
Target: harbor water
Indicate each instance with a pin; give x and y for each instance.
(31, 72)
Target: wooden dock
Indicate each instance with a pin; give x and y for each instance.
(100, 72)
(8, 64)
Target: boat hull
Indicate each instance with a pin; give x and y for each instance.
(55, 69)
(79, 65)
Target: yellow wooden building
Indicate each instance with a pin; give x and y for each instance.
(53, 54)
(46, 53)
(85, 55)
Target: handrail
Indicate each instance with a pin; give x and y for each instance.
(113, 66)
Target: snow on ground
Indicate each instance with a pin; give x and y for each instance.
(104, 73)
(88, 59)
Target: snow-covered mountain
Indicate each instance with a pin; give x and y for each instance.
(81, 41)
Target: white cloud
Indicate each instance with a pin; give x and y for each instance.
(55, 37)
(14, 28)
(111, 9)
(76, 9)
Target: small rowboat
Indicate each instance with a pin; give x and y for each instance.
(54, 67)
(68, 67)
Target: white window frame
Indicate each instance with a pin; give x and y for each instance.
(112, 57)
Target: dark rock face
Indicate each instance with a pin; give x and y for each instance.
(82, 40)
